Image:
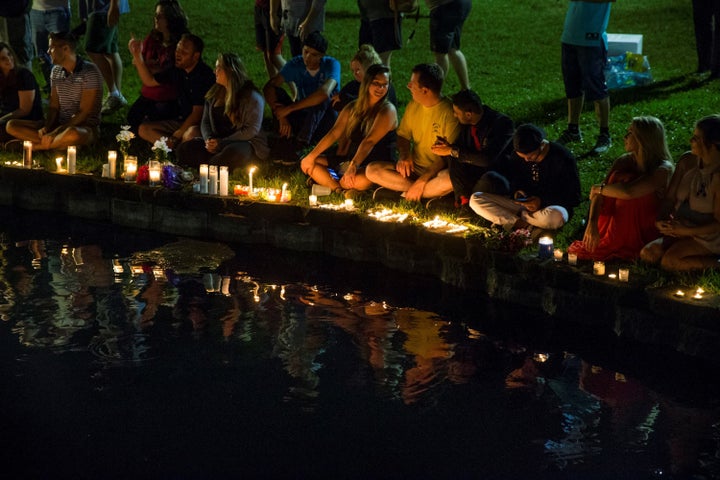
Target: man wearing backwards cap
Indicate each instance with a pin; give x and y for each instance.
(316, 78)
(544, 178)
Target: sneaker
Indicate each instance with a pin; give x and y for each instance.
(602, 145)
(569, 137)
(385, 194)
(465, 213)
(112, 104)
(441, 203)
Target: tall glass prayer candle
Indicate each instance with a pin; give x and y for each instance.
(624, 274)
(27, 154)
(58, 164)
(204, 178)
(250, 176)
(112, 163)
(224, 181)
(283, 194)
(71, 153)
(213, 180)
(130, 168)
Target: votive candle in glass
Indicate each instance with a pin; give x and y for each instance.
(624, 274)
(250, 181)
(312, 200)
(545, 247)
(130, 168)
(558, 255)
(154, 170)
(204, 178)
(224, 181)
(59, 164)
(71, 157)
(572, 258)
(599, 268)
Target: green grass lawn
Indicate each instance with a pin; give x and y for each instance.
(513, 52)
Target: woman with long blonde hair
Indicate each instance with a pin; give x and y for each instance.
(623, 208)
(231, 125)
(364, 131)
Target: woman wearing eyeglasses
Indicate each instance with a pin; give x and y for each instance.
(364, 131)
(691, 231)
(624, 207)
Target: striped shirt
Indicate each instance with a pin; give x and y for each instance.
(70, 87)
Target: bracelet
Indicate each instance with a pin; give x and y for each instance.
(602, 185)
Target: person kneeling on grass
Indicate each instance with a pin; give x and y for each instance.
(364, 130)
(544, 178)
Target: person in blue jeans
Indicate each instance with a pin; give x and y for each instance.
(48, 16)
(316, 77)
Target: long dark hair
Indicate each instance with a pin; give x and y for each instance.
(362, 112)
(239, 85)
(10, 80)
(176, 19)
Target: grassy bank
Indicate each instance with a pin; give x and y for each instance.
(513, 52)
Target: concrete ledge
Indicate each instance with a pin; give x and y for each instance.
(632, 310)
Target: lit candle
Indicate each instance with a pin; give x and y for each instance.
(130, 168)
(154, 172)
(572, 258)
(224, 181)
(71, 152)
(558, 255)
(112, 162)
(58, 163)
(698, 293)
(204, 178)
(213, 180)
(312, 200)
(283, 195)
(225, 286)
(599, 268)
(349, 204)
(612, 276)
(545, 247)
(27, 154)
(250, 175)
(679, 293)
(624, 274)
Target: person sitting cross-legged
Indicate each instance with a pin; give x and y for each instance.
(483, 147)
(364, 130)
(231, 125)
(544, 178)
(73, 116)
(419, 173)
(316, 77)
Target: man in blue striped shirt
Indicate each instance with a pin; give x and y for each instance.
(75, 100)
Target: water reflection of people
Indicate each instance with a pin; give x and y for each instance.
(424, 341)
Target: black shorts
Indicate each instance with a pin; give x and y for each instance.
(381, 34)
(446, 22)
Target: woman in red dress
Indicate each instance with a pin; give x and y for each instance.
(624, 207)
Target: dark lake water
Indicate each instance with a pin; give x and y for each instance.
(134, 355)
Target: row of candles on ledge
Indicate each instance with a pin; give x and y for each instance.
(546, 250)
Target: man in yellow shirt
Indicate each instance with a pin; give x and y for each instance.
(419, 173)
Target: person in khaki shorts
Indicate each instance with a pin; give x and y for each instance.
(73, 116)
